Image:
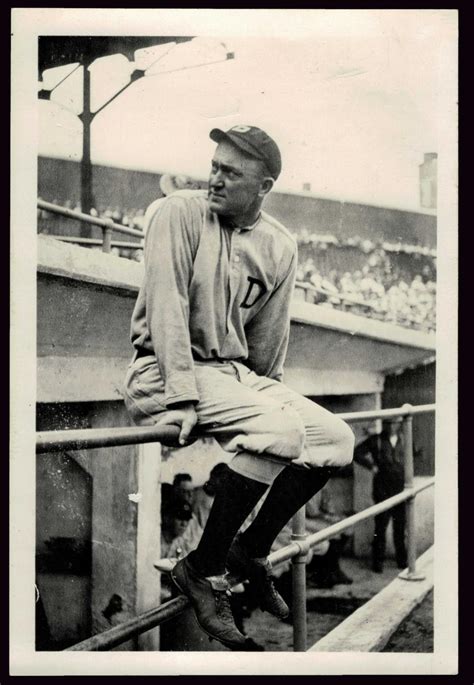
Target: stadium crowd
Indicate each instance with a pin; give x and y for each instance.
(382, 293)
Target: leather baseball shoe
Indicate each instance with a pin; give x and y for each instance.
(209, 597)
(258, 571)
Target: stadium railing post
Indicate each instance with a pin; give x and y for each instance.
(299, 583)
(409, 573)
(107, 238)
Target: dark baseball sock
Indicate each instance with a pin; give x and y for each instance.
(234, 500)
(292, 488)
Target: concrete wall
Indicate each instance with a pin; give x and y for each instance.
(63, 546)
(122, 525)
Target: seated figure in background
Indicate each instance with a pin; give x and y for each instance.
(180, 530)
(180, 534)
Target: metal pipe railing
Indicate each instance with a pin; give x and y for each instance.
(97, 241)
(132, 628)
(287, 553)
(296, 550)
(410, 503)
(405, 410)
(107, 225)
(54, 441)
(155, 617)
(299, 582)
(337, 295)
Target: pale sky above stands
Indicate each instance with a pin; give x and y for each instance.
(353, 106)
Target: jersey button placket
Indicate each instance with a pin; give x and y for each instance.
(234, 276)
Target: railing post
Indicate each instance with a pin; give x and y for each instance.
(410, 572)
(299, 584)
(107, 238)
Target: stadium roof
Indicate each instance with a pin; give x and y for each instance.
(57, 51)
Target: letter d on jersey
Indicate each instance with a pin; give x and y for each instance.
(261, 290)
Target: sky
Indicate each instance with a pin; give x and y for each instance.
(354, 100)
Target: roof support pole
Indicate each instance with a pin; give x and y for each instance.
(87, 201)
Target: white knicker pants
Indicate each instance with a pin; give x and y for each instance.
(252, 416)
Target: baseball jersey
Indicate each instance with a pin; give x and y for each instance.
(212, 292)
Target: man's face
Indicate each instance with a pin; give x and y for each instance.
(178, 527)
(235, 182)
(184, 490)
(394, 428)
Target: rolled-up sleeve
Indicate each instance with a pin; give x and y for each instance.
(168, 266)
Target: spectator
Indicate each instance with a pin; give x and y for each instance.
(183, 487)
(384, 455)
(180, 534)
(180, 530)
(117, 215)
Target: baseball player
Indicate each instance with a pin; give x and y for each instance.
(210, 330)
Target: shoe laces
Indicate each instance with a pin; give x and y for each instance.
(271, 585)
(223, 608)
(271, 589)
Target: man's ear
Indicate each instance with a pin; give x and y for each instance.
(266, 185)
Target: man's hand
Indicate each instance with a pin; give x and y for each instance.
(181, 414)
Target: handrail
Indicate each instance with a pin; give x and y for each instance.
(303, 285)
(155, 617)
(97, 241)
(131, 628)
(404, 410)
(87, 438)
(287, 552)
(103, 222)
(298, 548)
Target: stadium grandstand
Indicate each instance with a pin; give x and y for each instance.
(383, 268)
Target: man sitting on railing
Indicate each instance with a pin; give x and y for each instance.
(210, 330)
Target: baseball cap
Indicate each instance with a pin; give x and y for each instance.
(253, 141)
